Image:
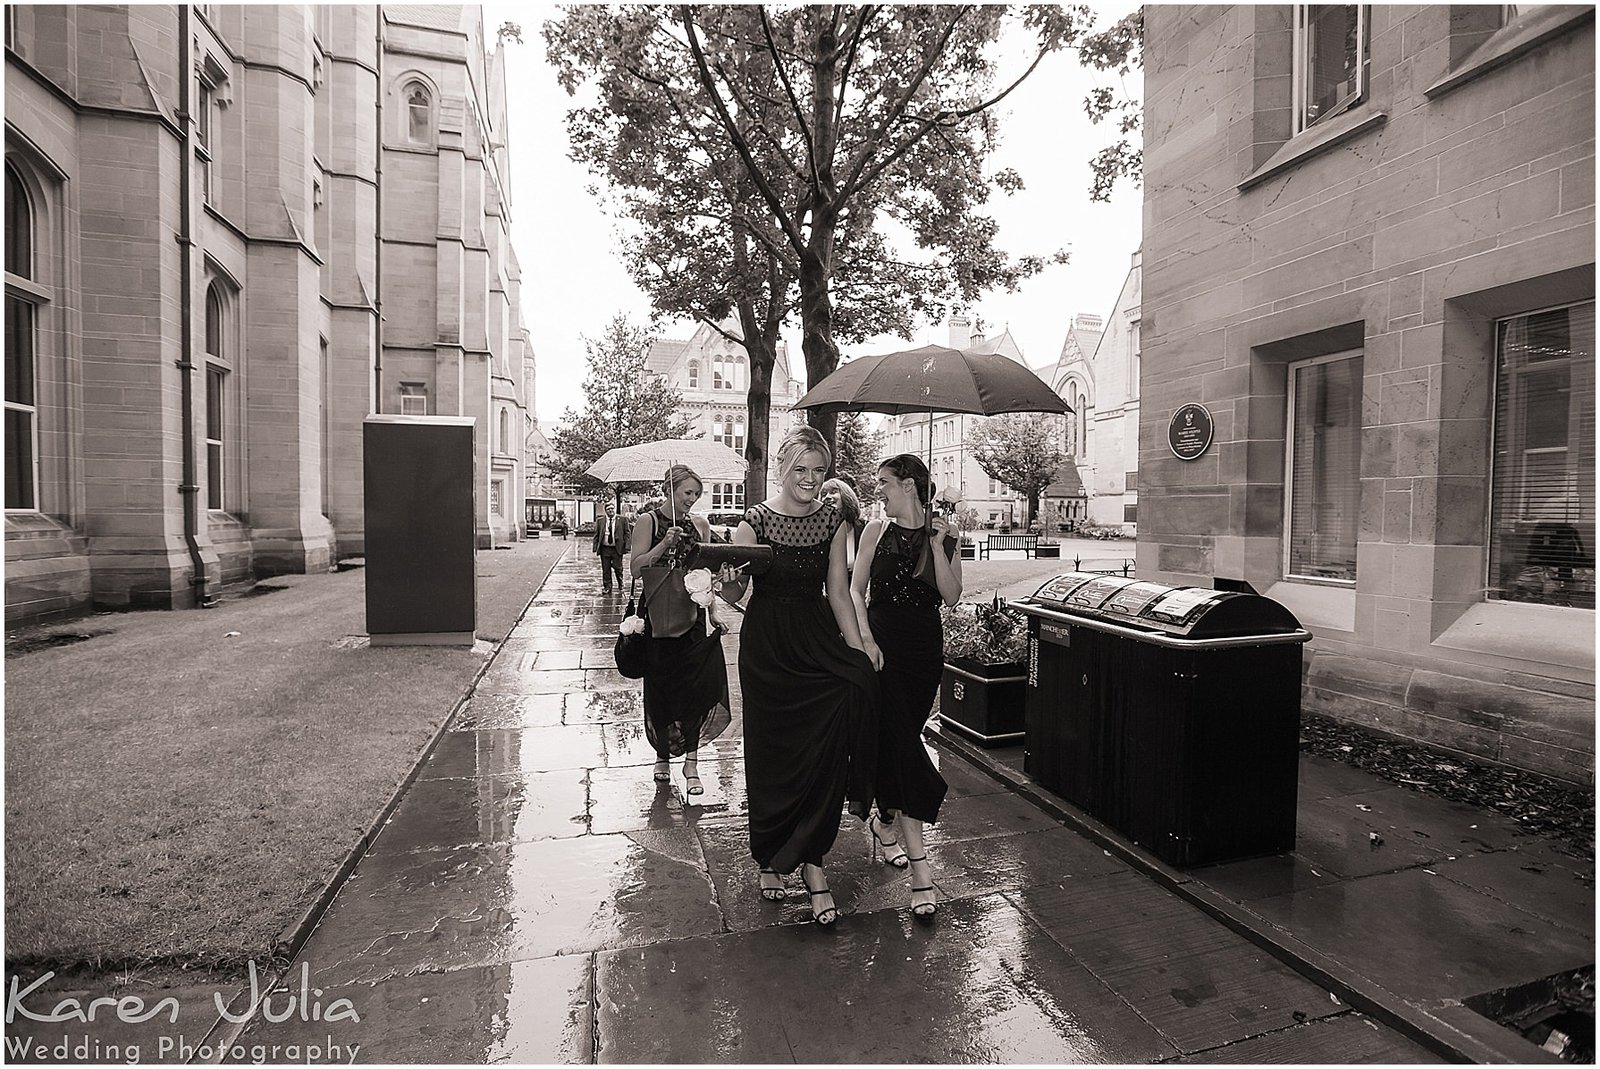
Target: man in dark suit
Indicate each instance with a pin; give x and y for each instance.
(610, 543)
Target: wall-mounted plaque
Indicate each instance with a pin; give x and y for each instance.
(1189, 433)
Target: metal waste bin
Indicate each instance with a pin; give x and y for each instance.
(1171, 714)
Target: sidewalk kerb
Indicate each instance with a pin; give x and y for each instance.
(294, 936)
(1450, 1030)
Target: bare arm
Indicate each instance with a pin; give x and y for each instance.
(839, 597)
(946, 570)
(860, 578)
(733, 589)
(640, 555)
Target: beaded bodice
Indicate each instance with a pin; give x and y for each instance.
(800, 547)
(894, 563)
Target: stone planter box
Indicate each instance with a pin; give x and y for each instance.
(983, 701)
(1047, 549)
(969, 551)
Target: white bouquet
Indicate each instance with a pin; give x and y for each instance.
(702, 587)
(633, 625)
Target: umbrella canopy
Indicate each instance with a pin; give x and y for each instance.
(648, 461)
(933, 379)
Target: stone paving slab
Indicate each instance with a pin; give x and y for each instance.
(501, 753)
(1547, 891)
(405, 913)
(1426, 937)
(1198, 983)
(524, 1012)
(506, 711)
(442, 814)
(627, 799)
(985, 985)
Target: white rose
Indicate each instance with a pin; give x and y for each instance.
(703, 597)
(699, 581)
(633, 625)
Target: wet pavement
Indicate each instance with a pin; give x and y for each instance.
(536, 897)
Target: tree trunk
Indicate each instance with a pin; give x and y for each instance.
(763, 353)
(1033, 506)
(816, 337)
(816, 262)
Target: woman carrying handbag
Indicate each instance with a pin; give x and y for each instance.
(685, 675)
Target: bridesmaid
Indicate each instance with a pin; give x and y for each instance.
(897, 589)
(810, 692)
(685, 678)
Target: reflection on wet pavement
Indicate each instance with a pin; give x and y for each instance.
(538, 897)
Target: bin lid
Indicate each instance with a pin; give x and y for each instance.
(1182, 611)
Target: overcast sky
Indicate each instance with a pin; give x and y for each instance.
(573, 282)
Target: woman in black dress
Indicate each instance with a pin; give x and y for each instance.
(685, 678)
(810, 692)
(897, 587)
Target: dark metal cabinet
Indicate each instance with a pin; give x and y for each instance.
(421, 570)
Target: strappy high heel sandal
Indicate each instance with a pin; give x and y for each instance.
(925, 909)
(691, 780)
(772, 892)
(663, 772)
(829, 914)
(893, 853)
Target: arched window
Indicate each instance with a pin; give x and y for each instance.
(218, 352)
(419, 113)
(19, 226)
(505, 431)
(22, 311)
(214, 315)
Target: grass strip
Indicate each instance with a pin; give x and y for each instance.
(176, 795)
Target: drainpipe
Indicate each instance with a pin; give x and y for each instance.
(377, 230)
(189, 488)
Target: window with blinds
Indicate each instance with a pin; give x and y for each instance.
(1541, 526)
(1324, 464)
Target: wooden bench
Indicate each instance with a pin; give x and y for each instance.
(1025, 542)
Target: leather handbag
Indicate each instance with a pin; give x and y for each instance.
(630, 650)
(712, 556)
(667, 604)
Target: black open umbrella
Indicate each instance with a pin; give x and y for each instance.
(933, 379)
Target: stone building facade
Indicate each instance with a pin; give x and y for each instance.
(959, 477)
(233, 231)
(712, 373)
(1369, 253)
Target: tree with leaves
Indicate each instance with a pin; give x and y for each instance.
(1020, 450)
(622, 406)
(783, 138)
(1119, 48)
(859, 452)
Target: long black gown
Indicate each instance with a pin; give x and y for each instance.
(903, 612)
(685, 680)
(810, 700)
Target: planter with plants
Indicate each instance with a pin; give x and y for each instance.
(968, 519)
(985, 672)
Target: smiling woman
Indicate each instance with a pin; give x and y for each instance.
(810, 692)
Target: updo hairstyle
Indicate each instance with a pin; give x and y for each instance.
(910, 466)
(796, 444)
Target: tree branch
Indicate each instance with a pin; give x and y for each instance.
(858, 166)
(794, 101)
(790, 228)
